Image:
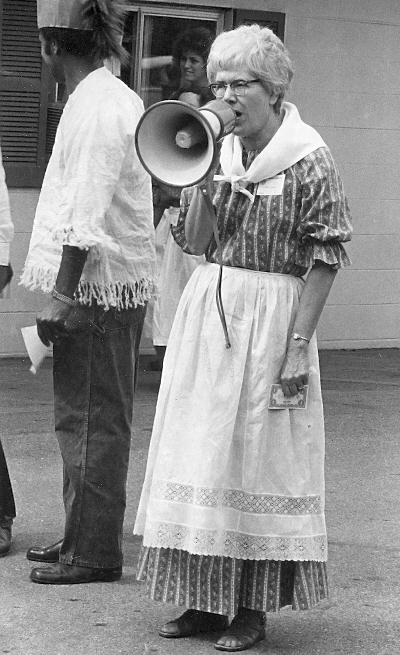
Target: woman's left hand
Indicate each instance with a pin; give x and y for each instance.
(295, 369)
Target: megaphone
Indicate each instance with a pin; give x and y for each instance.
(177, 143)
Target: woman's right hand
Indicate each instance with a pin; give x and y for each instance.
(164, 196)
(295, 369)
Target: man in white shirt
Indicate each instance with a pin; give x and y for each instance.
(7, 505)
(92, 249)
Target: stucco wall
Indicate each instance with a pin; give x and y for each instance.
(19, 306)
(347, 85)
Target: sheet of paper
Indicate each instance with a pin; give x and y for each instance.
(277, 400)
(36, 350)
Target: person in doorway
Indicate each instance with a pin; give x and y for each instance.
(190, 52)
(232, 508)
(174, 266)
(92, 250)
(7, 503)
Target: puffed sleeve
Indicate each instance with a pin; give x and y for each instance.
(325, 220)
(178, 230)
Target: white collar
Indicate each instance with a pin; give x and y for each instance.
(291, 142)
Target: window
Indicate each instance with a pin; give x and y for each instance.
(149, 37)
(23, 94)
(31, 103)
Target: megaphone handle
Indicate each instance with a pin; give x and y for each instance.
(218, 294)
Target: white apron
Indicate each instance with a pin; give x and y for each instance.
(225, 475)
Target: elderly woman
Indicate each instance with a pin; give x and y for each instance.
(232, 509)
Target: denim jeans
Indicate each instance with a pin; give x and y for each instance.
(94, 376)
(7, 505)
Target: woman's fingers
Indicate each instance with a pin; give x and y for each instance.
(302, 382)
(289, 389)
(292, 386)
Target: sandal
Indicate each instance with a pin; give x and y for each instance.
(246, 629)
(192, 622)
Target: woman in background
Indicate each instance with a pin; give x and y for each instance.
(190, 53)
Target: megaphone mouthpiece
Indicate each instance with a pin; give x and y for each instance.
(190, 135)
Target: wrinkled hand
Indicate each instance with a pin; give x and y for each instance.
(51, 321)
(295, 369)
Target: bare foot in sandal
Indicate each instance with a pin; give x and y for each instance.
(246, 630)
(192, 622)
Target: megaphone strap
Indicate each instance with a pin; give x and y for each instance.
(218, 293)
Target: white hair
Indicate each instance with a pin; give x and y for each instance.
(260, 51)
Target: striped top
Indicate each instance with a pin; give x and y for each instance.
(281, 233)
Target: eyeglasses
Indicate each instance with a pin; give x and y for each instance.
(238, 87)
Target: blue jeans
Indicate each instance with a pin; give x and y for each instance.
(94, 376)
(7, 505)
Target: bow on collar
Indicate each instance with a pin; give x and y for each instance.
(293, 141)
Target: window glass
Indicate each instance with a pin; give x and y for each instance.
(157, 76)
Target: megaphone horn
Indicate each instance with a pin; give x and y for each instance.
(177, 143)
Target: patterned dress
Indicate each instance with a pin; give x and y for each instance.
(232, 508)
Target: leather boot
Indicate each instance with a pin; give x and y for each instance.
(48, 555)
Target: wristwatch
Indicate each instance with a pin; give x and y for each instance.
(298, 337)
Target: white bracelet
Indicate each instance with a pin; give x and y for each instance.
(298, 337)
(65, 299)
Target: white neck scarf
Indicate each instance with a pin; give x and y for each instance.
(292, 141)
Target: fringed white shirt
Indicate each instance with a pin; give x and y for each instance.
(96, 196)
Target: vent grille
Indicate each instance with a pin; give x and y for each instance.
(19, 119)
(53, 118)
(20, 48)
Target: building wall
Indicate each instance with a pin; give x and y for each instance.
(347, 85)
(19, 306)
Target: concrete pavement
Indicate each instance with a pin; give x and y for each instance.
(361, 392)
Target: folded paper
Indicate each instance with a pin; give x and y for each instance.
(35, 348)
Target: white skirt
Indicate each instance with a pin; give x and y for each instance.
(163, 229)
(176, 270)
(225, 475)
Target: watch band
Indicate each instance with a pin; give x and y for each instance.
(65, 299)
(298, 337)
